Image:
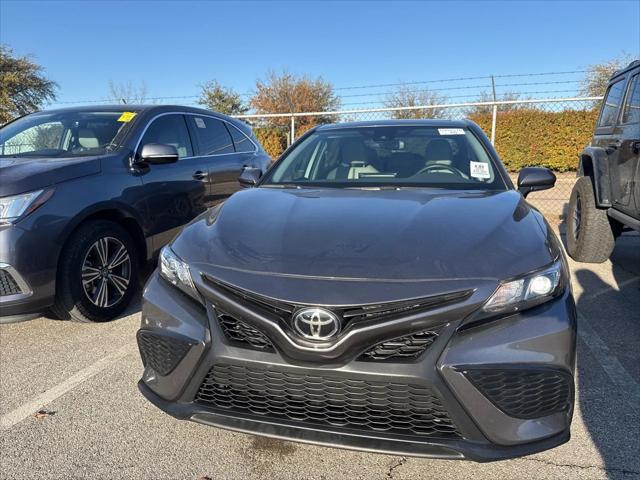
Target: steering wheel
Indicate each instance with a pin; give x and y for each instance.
(448, 168)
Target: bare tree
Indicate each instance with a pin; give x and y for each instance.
(127, 92)
(503, 97)
(405, 96)
(23, 86)
(595, 81)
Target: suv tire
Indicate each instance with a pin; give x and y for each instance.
(590, 237)
(97, 274)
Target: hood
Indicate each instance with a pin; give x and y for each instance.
(25, 174)
(397, 237)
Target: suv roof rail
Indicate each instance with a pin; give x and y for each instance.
(632, 64)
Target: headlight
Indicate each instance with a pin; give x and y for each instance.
(12, 208)
(528, 291)
(176, 272)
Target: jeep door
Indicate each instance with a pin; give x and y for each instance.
(629, 152)
(608, 136)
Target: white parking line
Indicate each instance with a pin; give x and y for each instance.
(609, 363)
(8, 420)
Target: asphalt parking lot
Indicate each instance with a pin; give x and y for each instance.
(97, 425)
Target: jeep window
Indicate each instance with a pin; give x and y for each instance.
(66, 134)
(612, 101)
(631, 113)
(395, 156)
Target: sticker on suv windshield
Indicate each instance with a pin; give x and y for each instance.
(451, 131)
(200, 123)
(479, 170)
(126, 116)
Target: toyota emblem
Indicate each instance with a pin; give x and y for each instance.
(316, 324)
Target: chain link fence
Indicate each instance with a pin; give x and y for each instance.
(540, 132)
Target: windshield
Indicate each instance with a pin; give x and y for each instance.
(393, 156)
(64, 134)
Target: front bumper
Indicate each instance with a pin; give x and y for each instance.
(542, 339)
(27, 270)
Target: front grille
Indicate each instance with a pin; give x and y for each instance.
(8, 284)
(525, 393)
(407, 347)
(160, 352)
(393, 408)
(240, 332)
(350, 313)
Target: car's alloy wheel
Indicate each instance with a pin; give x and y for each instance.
(106, 272)
(97, 273)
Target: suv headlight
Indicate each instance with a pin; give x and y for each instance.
(14, 207)
(527, 291)
(177, 272)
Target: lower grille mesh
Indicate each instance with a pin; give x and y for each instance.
(8, 285)
(160, 352)
(241, 332)
(407, 347)
(324, 400)
(525, 393)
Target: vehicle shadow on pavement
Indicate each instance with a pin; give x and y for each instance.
(608, 371)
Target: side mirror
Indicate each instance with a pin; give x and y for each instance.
(249, 177)
(159, 153)
(533, 179)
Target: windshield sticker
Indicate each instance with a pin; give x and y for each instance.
(126, 116)
(200, 123)
(479, 170)
(451, 131)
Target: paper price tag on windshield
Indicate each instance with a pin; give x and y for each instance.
(126, 116)
(479, 170)
(451, 131)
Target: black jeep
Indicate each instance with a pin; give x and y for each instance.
(606, 197)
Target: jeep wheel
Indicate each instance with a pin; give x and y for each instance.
(97, 274)
(589, 235)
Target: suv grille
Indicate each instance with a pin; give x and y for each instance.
(407, 347)
(240, 332)
(325, 400)
(525, 393)
(8, 285)
(160, 352)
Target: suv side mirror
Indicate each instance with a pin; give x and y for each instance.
(533, 179)
(249, 177)
(159, 153)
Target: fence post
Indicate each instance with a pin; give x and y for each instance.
(292, 133)
(494, 116)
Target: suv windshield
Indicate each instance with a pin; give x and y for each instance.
(388, 156)
(64, 134)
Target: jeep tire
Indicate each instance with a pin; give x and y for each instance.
(590, 237)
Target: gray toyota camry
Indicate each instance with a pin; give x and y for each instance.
(383, 287)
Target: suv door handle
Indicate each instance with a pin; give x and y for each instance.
(200, 175)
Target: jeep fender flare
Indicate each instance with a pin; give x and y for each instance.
(594, 164)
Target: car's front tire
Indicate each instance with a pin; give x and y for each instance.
(590, 237)
(97, 273)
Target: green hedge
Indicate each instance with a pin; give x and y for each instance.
(530, 137)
